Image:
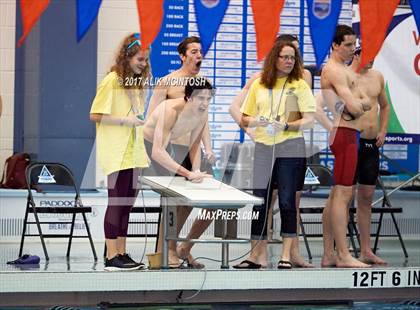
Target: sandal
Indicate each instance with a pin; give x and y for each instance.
(194, 264)
(284, 264)
(247, 264)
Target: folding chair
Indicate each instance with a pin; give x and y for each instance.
(53, 176)
(387, 208)
(325, 179)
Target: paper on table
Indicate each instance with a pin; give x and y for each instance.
(208, 183)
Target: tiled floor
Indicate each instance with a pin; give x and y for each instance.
(81, 281)
(210, 254)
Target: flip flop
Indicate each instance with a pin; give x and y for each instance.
(247, 265)
(284, 264)
(176, 266)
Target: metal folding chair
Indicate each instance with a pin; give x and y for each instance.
(48, 176)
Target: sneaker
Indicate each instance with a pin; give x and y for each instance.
(129, 261)
(116, 263)
(26, 259)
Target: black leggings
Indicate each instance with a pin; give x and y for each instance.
(122, 193)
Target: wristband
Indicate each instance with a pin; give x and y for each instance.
(286, 126)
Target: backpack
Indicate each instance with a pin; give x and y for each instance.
(14, 171)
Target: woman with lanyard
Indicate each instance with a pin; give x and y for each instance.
(280, 148)
(117, 111)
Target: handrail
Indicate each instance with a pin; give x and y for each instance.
(417, 176)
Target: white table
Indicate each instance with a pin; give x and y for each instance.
(210, 194)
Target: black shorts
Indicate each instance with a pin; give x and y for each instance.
(179, 154)
(154, 169)
(367, 162)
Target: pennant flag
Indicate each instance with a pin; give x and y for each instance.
(323, 17)
(87, 11)
(415, 7)
(150, 17)
(375, 17)
(30, 11)
(209, 15)
(267, 21)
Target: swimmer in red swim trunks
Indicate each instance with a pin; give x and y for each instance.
(346, 100)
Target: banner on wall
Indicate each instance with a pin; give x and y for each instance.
(209, 15)
(399, 62)
(323, 17)
(164, 55)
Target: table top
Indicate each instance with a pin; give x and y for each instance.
(208, 193)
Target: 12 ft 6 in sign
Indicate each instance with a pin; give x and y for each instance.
(386, 278)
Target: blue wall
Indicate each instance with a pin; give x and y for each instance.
(55, 83)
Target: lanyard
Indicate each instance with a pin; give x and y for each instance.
(270, 91)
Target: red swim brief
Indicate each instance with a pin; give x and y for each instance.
(344, 147)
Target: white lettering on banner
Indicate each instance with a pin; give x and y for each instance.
(229, 54)
(230, 28)
(386, 278)
(232, 19)
(292, 3)
(56, 203)
(176, 7)
(174, 16)
(234, 9)
(289, 21)
(384, 165)
(234, 46)
(329, 164)
(77, 226)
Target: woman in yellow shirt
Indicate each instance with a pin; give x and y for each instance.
(279, 104)
(117, 111)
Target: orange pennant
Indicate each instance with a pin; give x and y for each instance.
(375, 17)
(150, 18)
(30, 11)
(267, 21)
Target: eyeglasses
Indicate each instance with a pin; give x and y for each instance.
(287, 57)
(136, 35)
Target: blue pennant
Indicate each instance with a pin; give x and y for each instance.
(323, 17)
(87, 10)
(415, 7)
(209, 15)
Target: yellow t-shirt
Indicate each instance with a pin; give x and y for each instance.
(270, 104)
(118, 147)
